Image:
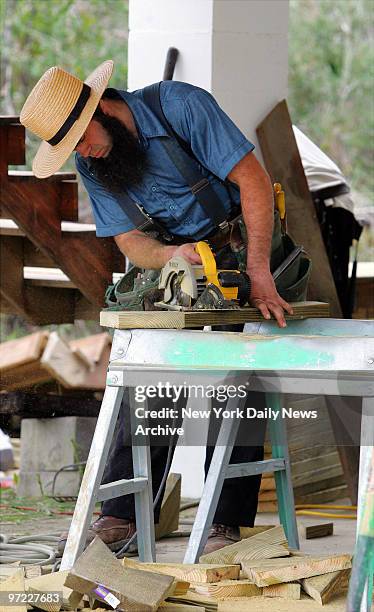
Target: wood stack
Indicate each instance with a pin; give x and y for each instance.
(256, 574)
(45, 356)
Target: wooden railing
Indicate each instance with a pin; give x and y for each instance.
(40, 237)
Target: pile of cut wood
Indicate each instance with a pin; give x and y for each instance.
(258, 573)
(44, 356)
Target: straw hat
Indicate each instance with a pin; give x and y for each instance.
(58, 110)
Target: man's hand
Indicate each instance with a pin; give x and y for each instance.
(266, 298)
(188, 252)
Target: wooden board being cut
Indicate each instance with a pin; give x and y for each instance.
(175, 319)
(274, 571)
(191, 572)
(265, 545)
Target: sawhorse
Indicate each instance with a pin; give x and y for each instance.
(315, 356)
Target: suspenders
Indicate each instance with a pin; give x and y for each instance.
(188, 167)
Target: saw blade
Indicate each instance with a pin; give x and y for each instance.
(213, 299)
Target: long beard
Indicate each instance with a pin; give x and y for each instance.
(126, 163)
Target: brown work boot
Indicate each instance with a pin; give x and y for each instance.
(114, 532)
(220, 536)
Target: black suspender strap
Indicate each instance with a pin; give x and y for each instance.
(187, 166)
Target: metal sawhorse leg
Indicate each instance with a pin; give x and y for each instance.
(220, 468)
(91, 491)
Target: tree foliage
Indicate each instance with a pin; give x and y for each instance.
(331, 95)
(75, 34)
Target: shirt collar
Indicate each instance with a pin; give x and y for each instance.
(146, 122)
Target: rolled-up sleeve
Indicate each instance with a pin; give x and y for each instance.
(110, 217)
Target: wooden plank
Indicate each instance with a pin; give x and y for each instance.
(319, 531)
(274, 571)
(287, 590)
(136, 590)
(63, 365)
(173, 319)
(29, 176)
(192, 598)
(283, 163)
(169, 514)
(265, 545)
(15, 582)
(93, 346)
(34, 206)
(323, 588)
(11, 273)
(191, 572)
(248, 532)
(267, 507)
(13, 149)
(35, 304)
(54, 582)
(267, 484)
(168, 606)
(229, 588)
(15, 353)
(265, 604)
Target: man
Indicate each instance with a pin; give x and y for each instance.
(120, 149)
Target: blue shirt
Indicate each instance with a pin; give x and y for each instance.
(215, 141)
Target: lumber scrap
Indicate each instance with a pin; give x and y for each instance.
(248, 532)
(273, 571)
(323, 588)
(54, 582)
(62, 364)
(265, 545)
(286, 590)
(191, 572)
(283, 163)
(265, 604)
(229, 588)
(19, 360)
(319, 531)
(14, 583)
(174, 319)
(191, 598)
(135, 590)
(168, 606)
(169, 514)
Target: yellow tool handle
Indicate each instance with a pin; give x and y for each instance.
(208, 261)
(280, 201)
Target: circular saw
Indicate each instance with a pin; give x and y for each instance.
(202, 287)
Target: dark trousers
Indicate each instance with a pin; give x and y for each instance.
(238, 501)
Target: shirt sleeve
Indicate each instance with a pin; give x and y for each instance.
(110, 217)
(214, 138)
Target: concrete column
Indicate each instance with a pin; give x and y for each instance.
(237, 50)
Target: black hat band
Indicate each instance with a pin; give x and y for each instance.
(73, 116)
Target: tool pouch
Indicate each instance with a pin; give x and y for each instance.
(134, 292)
(292, 284)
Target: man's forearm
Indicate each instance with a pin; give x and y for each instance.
(144, 251)
(257, 207)
(258, 216)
